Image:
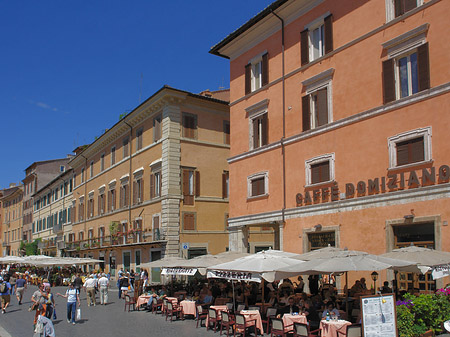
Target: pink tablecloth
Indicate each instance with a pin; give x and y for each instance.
(289, 319)
(218, 309)
(331, 328)
(188, 307)
(143, 299)
(251, 315)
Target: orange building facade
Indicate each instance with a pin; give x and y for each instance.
(12, 226)
(340, 126)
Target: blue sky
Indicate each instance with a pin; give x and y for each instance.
(68, 69)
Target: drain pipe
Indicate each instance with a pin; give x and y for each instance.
(85, 194)
(283, 150)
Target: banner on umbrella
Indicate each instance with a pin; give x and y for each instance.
(440, 271)
(235, 275)
(179, 271)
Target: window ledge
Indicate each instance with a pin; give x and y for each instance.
(257, 197)
(409, 166)
(321, 184)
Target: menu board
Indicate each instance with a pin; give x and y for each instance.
(378, 316)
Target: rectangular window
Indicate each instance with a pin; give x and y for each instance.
(101, 204)
(111, 200)
(155, 185)
(317, 39)
(315, 109)
(91, 169)
(320, 169)
(320, 172)
(410, 147)
(225, 185)
(125, 151)
(189, 126)
(191, 185)
(156, 228)
(157, 128)
(102, 162)
(258, 186)
(124, 195)
(113, 155)
(62, 168)
(403, 6)
(406, 74)
(71, 185)
(259, 131)
(139, 133)
(90, 208)
(226, 132)
(189, 221)
(138, 191)
(82, 175)
(257, 73)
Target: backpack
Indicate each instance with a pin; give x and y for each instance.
(3, 287)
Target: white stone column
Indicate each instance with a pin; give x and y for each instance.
(238, 239)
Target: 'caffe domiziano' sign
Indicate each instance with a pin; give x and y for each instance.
(393, 182)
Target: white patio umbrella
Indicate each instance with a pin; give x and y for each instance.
(426, 258)
(11, 259)
(204, 261)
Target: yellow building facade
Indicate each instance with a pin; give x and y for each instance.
(154, 184)
(12, 221)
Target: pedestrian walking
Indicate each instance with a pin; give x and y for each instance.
(89, 286)
(21, 285)
(38, 300)
(103, 284)
(12, 282)
(72, 299)
(5, 293)
(50, 304)
(78, 282)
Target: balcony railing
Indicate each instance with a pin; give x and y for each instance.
(119, 239)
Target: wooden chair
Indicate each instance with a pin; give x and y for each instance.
(173, 310)
(130, 302)
(353, 330)
(302, 330)
(227, 322)
(240, 307)
(213, 317)
(270, 313)
(278, 328)
(156, 304)
(164, 306)
(201, 315)
(230, 307)
(242, 324)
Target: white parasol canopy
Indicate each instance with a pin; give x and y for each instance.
(254, 267)
(204, 261)
(167, 261)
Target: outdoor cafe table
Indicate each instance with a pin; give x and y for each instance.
(218, 309)
(331, 328)
(289, 319)
(251, 315)
(188, 307)
(143, 299)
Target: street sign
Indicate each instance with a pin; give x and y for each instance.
(185, 245)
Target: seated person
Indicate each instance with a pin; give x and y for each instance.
(207, 300)
(385, 289)
(288, 309)
(331, 310)
(284, 299)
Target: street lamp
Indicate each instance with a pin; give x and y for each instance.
(374, 276)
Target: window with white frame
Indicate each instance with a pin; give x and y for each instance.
(258, 124)
(406, 71)
(316, 39)
(155, 179)
(410, 147)
(102, 162)
(396, 8)
(156, 227)
(317, 103)
(82, 175)
(319, 169)
(257, 73)
(258, 184)
(139, 133)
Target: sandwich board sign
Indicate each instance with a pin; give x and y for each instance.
(378, 316)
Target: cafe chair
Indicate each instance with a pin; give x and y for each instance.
(270, 313)
(353, 330)
(302, 330)
(201, 315)
(240, 307)
(227, 322)
(156, 305)
(213, 317)
(230, 307)
(164, 306)
(279, 329)
(130, 302)
(242, 324)
(172, 310)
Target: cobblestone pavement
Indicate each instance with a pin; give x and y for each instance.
(109, 320)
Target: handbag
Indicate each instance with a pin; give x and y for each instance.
(78, 314)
